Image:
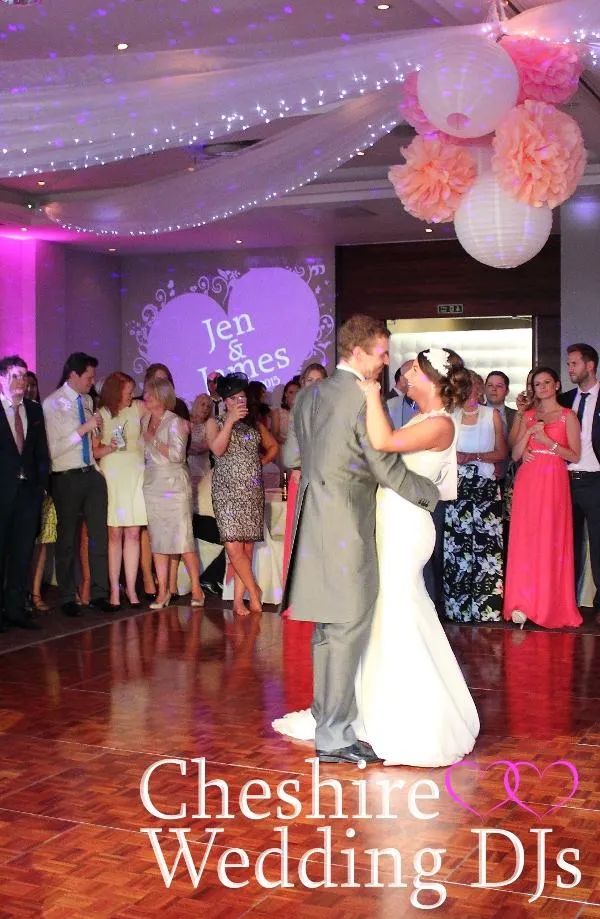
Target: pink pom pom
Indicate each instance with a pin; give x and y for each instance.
(436, 175)
(539, 155)
(549, 72)
(411, 109)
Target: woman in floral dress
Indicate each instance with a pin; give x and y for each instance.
(473, 545)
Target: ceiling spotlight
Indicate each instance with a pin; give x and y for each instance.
(428, 230)
(41, 183)
(360, 152)
(112, 250)
(122, 46)
(24, 229)
(383, 6)
(238, 242)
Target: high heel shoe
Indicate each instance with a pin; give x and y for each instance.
(38, 605)
(518, 617)
(157, 605)
(198, 604)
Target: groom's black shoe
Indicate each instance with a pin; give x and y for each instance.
(355, 753)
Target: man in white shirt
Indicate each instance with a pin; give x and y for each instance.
(24, 465)
(582, 367)
(78, 488)
(399, 404)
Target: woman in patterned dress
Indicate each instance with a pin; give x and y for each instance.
(472, 573)
(241, 445)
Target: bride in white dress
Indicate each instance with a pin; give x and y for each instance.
(414, 706)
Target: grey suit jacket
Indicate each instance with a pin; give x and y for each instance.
(333, 574)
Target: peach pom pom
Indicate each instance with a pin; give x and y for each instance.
(539, 156)
(436, 175)
(549, 72)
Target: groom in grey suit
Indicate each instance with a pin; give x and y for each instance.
(333, 574)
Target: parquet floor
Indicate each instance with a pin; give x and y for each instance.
(83, 719)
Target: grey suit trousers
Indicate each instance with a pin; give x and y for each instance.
(337, 648)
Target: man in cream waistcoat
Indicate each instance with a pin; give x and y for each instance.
(333, 574)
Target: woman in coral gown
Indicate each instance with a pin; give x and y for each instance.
(540, 568)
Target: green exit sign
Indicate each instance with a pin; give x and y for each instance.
(450, 309)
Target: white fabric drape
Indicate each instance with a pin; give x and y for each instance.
(79, 112)
(221, 188)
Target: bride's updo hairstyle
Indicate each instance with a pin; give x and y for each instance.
(447, 371)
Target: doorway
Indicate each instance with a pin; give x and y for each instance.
(501, 343)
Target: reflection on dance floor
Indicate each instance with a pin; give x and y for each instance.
(84, 717)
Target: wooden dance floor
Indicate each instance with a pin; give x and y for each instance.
(109, 739)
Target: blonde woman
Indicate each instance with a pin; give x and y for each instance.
(168, 490)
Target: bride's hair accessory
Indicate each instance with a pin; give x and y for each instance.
(439, 360)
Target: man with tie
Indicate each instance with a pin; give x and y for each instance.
(497, 385)
(399, 404)
(582, 367)
(24, 462)
(78, 488)
(218, 406)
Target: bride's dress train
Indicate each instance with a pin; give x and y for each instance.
(414, 706)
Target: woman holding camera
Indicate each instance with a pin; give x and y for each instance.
(241, 444)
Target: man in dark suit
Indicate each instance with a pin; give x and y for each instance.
(25, 466)
(582, 367)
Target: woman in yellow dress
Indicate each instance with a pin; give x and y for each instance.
(119, 452)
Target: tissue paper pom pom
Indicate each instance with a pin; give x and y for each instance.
(436, 176)
(539, 156)
(549, 72)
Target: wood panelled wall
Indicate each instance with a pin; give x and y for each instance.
(408, 280)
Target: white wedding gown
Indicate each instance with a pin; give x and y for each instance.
(414, 706)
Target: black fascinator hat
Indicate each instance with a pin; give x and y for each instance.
(231, 385)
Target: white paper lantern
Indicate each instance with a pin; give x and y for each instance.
(497, 230)
(467, 86)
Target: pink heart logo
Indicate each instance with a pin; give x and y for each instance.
(511, 782)
(512, 792)
(268, 331)
(479, 771)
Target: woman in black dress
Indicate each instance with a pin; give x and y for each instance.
(241, 445)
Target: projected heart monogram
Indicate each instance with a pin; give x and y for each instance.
(268, 331)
